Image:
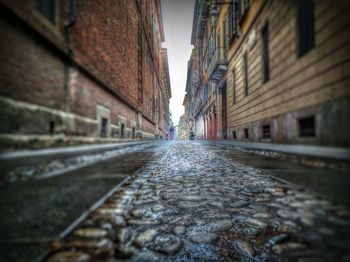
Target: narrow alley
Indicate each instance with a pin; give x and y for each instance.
(191, 203)
(174, 130)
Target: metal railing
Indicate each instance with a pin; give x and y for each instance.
(217, 63)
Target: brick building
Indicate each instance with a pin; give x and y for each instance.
(77, 71)
(287, 71)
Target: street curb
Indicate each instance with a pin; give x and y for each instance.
(83, 216)
(70, 150)
(96, 205)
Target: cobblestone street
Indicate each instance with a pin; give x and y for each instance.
(193, 203)
(163, 130)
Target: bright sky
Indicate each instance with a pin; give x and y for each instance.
(177, 20)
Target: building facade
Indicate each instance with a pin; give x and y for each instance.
(166, 95)
(78, 71)
(189, 105)
(209, 67)
(287, 76)
(186, 119)
(181, 132)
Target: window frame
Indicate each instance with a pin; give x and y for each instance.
(302, 133)
(246, 133)
(305, 24)
(265, 52)
(234, 86)
(52, 19)
(234, 134)
(243, 9)
(233, 19)
(263, 128)
(245, 73)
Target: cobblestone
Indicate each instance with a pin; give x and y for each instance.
(194, 204)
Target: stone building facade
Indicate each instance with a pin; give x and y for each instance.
(189, 99)
(287, 77)
(166, 95)
(78, 71)
(209, 66)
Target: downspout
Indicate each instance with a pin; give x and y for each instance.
(68, 24)
(67, 63)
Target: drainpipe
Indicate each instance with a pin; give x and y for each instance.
(67, 24)
(67, 64)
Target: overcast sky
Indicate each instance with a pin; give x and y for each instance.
(177, 20)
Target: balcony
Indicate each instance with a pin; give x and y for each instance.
(218, 65)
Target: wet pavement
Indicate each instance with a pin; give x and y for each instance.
(327, 178)
(53, 164)
(194, 203)
(36, 210)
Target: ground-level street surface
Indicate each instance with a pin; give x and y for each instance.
(191, 203)
(37, 209)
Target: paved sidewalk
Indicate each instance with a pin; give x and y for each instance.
(193, 204)
(68, 150)
(336, 153)
(43, 163)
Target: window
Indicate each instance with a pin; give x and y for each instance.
(305, 20)
(159, 110)
(52, 127)
(48, 9)
(307, 127)
(233, 18)
(225, 33)
(133, 132)
(246, 133)
(234, 86)
(234, 135)
(104, 124)
(151, 109)
(122, 127)
(245, 73)
(265, 42)
(244, 5)
(218, 40)
(266, 131)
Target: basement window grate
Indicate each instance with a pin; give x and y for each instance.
(307, 127)
(104, 124)
(266, 131)
(122, 127)
(52, 127)
(246, 133)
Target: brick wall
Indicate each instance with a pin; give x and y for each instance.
(104, 40)
(62, 80)
(29, 71)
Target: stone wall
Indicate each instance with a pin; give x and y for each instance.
(314, 84)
